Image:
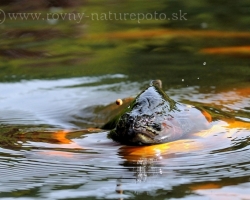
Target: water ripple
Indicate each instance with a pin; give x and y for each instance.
(88, 165)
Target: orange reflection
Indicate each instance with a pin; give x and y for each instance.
(239, 124)
(243, 91)
(53, 137)
(240, 50)
(60, 136)
(198, 143)
(142, 34)
(157, 151)
(207, 115)
(205, 186)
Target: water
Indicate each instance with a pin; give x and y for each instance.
(59, 80)
(88, 165)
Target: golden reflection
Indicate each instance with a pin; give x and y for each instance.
(239, 50)
(159, 151)
(205, 186)
(207, 115)
(238, 124)
(142, 34)
(241, 95)
(196, 142)
(61, 137)
(229, 97)
(243, 91)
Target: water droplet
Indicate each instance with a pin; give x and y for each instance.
(204, 63)
(204, 25)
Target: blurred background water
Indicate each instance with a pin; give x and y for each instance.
(62, 63)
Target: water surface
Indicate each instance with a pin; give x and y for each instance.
(83, 164)
(59, 82)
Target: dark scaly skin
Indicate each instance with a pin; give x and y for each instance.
(154, 118)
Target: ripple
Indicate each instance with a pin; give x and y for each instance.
(54, 101)
(88, 165)
(99, 164)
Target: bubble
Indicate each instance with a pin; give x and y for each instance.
(204, 63)
(182, 80)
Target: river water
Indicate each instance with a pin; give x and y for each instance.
(212, 164)
(59, 80)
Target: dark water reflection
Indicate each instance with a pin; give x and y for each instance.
(62, 75)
